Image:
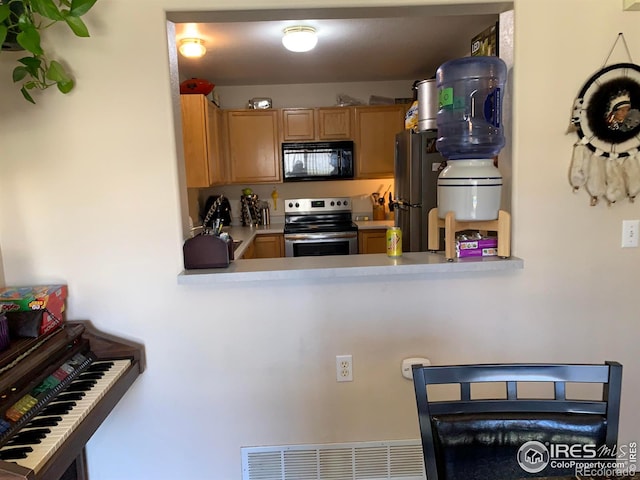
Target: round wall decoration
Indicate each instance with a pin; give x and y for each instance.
(603, 111)
(606, 114)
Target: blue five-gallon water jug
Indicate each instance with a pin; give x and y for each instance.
(469, 118)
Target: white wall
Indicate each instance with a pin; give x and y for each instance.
(89, 196)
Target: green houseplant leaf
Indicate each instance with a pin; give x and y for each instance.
(21, 24)
(4, 12)
(58, 74)
(19, 74)
(32, 64)
(3, 33)
(80, 7)
(76, 24)
(46, 8)
(29, 39)
(25, 92)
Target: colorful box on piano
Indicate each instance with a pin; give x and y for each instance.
(48, 297)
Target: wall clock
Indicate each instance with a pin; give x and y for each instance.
(606, 115)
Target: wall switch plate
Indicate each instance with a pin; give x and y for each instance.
(344, 368)
(630, 232)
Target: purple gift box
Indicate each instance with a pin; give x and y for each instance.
(484, 247)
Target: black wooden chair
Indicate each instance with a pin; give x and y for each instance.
(478, 438)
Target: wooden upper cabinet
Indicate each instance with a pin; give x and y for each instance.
(201, 138)
(217, 145)
(253, 145)
(298, 124)
(334, 123)
(325, 123)
(375, 132)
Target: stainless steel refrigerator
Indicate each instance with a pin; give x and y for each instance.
(417, 166)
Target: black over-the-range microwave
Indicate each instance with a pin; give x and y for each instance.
(317, 161)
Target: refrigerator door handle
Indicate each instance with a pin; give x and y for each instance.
(404, 205)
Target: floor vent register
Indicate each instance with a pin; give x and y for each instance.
(388, 460)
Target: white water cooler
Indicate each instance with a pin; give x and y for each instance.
(472, 189)
(470, 136)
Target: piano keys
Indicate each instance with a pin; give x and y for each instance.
(54, 393)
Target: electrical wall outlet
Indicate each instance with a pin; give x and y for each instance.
(344, 368)
(630, 232)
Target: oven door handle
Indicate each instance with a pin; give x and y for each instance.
(320, 236)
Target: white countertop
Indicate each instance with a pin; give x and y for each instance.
(341, 266)
(336, 266)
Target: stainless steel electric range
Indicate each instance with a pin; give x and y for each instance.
(319, 226)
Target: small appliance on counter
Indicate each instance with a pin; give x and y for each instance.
(207, 251)
(212, 248)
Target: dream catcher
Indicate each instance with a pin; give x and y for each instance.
(606, 114)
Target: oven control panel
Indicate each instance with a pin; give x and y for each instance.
(317, 205)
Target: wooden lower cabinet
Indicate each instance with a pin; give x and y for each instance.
(250, 252)
(372, 241)
(269, 246)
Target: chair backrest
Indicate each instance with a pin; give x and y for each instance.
(469, 438)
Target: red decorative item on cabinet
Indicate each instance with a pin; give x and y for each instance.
(197, 85)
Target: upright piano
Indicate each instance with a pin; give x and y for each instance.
(55, 391)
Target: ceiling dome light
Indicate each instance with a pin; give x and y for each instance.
(192, 47)
(299, 39)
